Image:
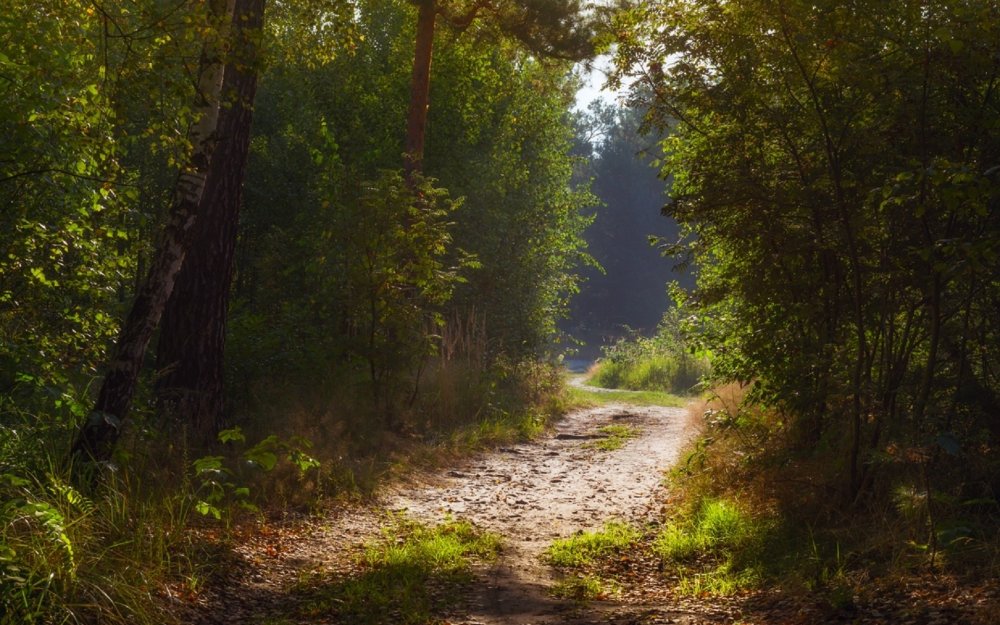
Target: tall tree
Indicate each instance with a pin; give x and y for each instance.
(99, 434)
(191, 345)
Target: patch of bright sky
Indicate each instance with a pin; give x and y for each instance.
(593, 84)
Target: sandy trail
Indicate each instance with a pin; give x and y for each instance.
(549, 488)
(529, 493)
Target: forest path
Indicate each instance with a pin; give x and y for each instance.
(549, 488)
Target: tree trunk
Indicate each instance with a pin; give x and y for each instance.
(191, 346)
(420, 84)
(99, 434)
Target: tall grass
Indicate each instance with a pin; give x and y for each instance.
(66, 557)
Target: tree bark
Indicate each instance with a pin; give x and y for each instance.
(420, 84)
(99, 434)
(191, 345)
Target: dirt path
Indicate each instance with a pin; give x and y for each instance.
(536, 492)
(529, 493)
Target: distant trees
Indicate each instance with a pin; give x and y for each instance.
(835, 170)
(630, 291)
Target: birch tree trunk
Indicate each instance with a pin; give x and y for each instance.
(99, 434)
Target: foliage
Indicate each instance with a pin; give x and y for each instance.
(219, 488)
(834, 169)
(66, 557)
(350, 286)
(782, 524)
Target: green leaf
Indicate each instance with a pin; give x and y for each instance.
(207, 463)
(206, 509)
(261, 457)
(232, 435)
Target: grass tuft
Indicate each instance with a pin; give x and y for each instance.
(412, 573)
(584, 548)
(586, 588)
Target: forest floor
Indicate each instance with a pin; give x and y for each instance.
(531, 494)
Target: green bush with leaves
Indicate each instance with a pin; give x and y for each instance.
(836, 183)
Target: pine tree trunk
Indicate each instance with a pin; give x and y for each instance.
(192, 338)
(99, 434)
(420, 84)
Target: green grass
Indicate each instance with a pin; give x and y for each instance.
(718, 549)
(583, 396)
(615, 437)
(412, 573)
(585, 548)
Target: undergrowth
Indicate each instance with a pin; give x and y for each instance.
(752, 509)
(460, 405)
(717, 548)
(160, 523)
